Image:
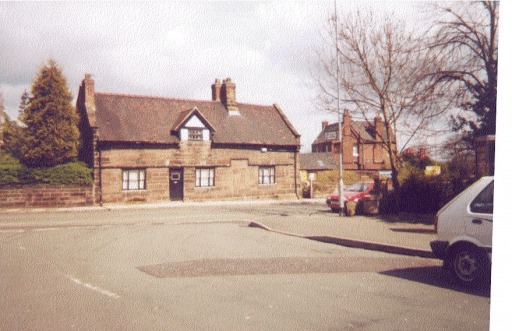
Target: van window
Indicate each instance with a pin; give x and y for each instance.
(483, 203)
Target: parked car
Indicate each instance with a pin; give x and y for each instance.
(355, 192)
(464, 234)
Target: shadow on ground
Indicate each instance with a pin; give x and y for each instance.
(428, 231)
(435, 276)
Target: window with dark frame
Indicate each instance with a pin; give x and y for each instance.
(266, 175)
(195, 134)
(134, 179)
(205, 177)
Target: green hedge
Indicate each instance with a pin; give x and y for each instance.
(13, 172)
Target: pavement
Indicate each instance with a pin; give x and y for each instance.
(389, 234)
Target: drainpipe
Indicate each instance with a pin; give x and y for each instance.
(101, 181)
(295, 174)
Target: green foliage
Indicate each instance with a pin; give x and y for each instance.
(50, 135)
(14, 172)
(69, 173)
(10, 169)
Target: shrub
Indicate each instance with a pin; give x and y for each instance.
(13, 172)
(68, 173)
(10, 169)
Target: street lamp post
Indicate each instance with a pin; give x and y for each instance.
(340, 127)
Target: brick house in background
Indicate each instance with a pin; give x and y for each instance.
(363, 145)
(145, 148)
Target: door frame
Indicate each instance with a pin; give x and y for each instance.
(176, 185)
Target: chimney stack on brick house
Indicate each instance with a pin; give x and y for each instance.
(216, 90)
(90, 104)
(347, 119)
(324, 125)
(379, 126)
(225, 93)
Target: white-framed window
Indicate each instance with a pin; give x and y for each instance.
(355, 150)
(266, 175)
(195, 134)
(134, 179)
(205, 177)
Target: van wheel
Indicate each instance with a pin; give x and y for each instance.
(469, 266)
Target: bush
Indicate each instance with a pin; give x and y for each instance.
(13, 172)
(67, 173)
(425, 194)
(419, 194)
(10, 169)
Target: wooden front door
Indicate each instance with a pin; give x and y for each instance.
(176, 184)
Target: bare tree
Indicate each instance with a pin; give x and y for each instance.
(465, 39)
(382, 71)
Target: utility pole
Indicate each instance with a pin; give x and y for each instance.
(340, 133)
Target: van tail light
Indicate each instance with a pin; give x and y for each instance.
(436, 219)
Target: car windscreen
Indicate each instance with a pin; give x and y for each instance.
(358, 187)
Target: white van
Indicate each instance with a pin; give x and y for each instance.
(464, 234)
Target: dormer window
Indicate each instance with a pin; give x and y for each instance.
(195, 134)
(191, 125)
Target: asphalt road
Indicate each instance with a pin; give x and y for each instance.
(204, 268)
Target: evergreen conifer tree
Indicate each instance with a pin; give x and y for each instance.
(50, 135)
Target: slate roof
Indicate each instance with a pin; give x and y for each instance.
(363, 129)
(130, 118)
(318, 161)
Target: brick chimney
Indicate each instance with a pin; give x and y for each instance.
(347, 122)
(216, 90)
(90, 103)
(324, 125)
(228, 96)
(379, 125)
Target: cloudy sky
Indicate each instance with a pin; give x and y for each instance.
(177, 49)
(173, 50)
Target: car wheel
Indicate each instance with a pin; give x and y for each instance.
(336, 210)
(469, 266)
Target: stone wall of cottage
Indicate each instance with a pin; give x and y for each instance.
(236, 173)
(43, 195)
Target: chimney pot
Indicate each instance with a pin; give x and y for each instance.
(228, 95)
(216, 89)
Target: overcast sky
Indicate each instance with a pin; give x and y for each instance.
(177, 49)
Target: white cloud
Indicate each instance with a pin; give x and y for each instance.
(171, 49)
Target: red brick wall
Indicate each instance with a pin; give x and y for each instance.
(46, 195)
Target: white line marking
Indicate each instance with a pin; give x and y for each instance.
(92, 287)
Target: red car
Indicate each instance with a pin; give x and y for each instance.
(355, 192)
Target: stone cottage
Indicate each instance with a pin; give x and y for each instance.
(145, 148)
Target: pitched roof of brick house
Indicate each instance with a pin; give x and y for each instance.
(362, 129)
(131, 118)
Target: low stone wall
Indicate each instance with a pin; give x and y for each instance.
(43, 195)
